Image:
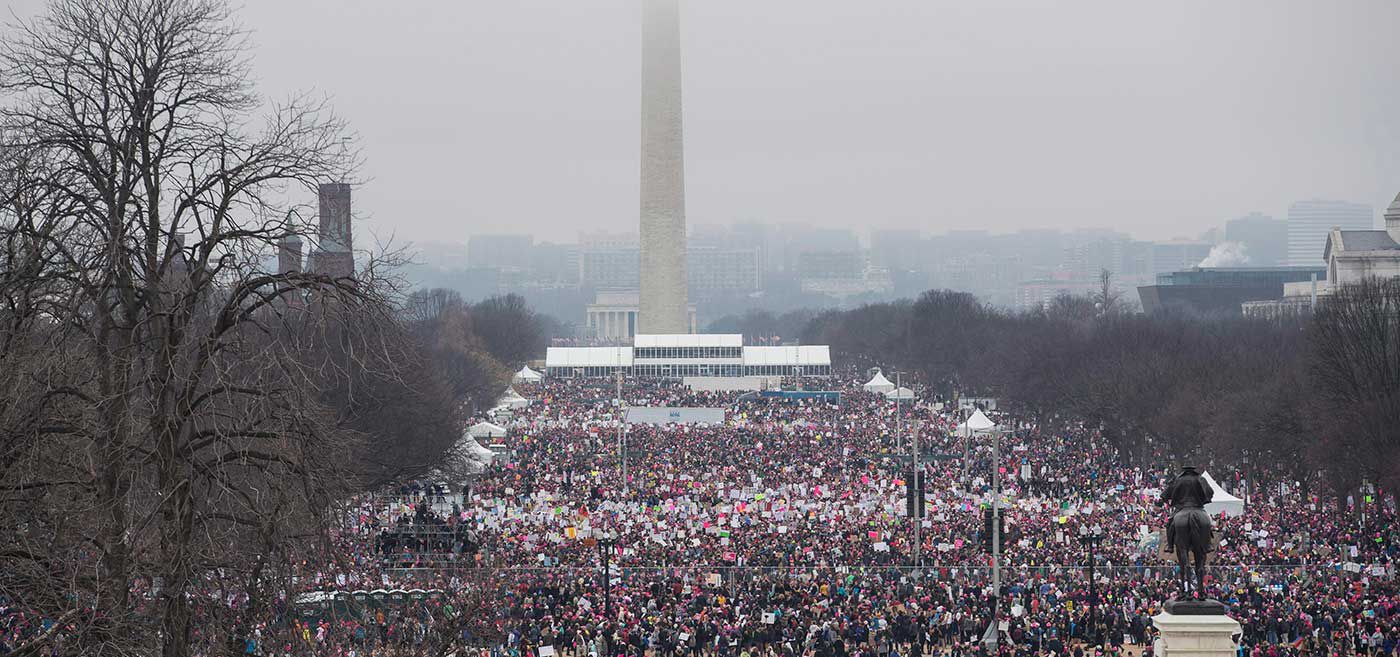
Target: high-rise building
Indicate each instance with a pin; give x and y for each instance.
(663, 304)
(1126, 259)
(1310, 222)
(762, 236)
(554, 264)
(1265, 238)
(609, 261)
(334, 255)
(613, 262)
(717, 271)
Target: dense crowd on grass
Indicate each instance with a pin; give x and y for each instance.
(784, 531)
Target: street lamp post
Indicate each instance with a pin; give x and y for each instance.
(967, 436)
(899, 416)
(1090, 537)
(996, 524)
(621, 445)
(917, 483)
(605, 545)
(1248, 480)
(991, 638)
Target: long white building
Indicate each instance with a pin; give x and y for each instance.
(675, 356)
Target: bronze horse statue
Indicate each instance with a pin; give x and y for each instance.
(1189, 532)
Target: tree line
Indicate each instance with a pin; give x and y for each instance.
(1309, 395)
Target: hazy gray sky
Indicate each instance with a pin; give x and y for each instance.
(1158, 118)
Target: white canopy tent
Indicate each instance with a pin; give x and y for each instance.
(879, 383)
(976, 423)
(486, 430)
(475, 453)
(512, 399)
(901, 394)
(1221, 500)
(526, 375)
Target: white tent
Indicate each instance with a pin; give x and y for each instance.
(486, 430)
(526, 375)
(878, 383)
(902, 394)
(1222, 501)
(978, 422)
(475, 452)
(512, 399)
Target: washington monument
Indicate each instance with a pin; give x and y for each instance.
(663, 307)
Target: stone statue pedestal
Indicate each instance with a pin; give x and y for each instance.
(1195, 635)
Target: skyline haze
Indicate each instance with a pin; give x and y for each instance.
(1161, 121)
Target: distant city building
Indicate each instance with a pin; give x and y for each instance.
(1310, 222)
(718, 271)
(1220, 290)
(447, 256)
(500, 251)
(334, 255)
(1265, 238)
(1125, 258)
(798, 238)
(898, 249)
(1176, 256)
(612, 317)
(1354, 255)
(554, 265)
(841, 274)
(1037, 293)
(826, 265)
(609, 261)
(614, 262)
(1351, 256)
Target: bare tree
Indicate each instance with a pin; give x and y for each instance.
(429, 305)
(1107, 297)
(1354, 364)
(169, 444)
(509, 329)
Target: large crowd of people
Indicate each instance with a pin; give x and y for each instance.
(784, 531)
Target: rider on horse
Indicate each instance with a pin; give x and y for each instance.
(1188, 494)
(1189, 532)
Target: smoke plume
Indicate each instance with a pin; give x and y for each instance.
(1226, 254)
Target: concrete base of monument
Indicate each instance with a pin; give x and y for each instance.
(1193, 607)
(1195, 635)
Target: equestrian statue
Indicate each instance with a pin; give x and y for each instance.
(1189, 531)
